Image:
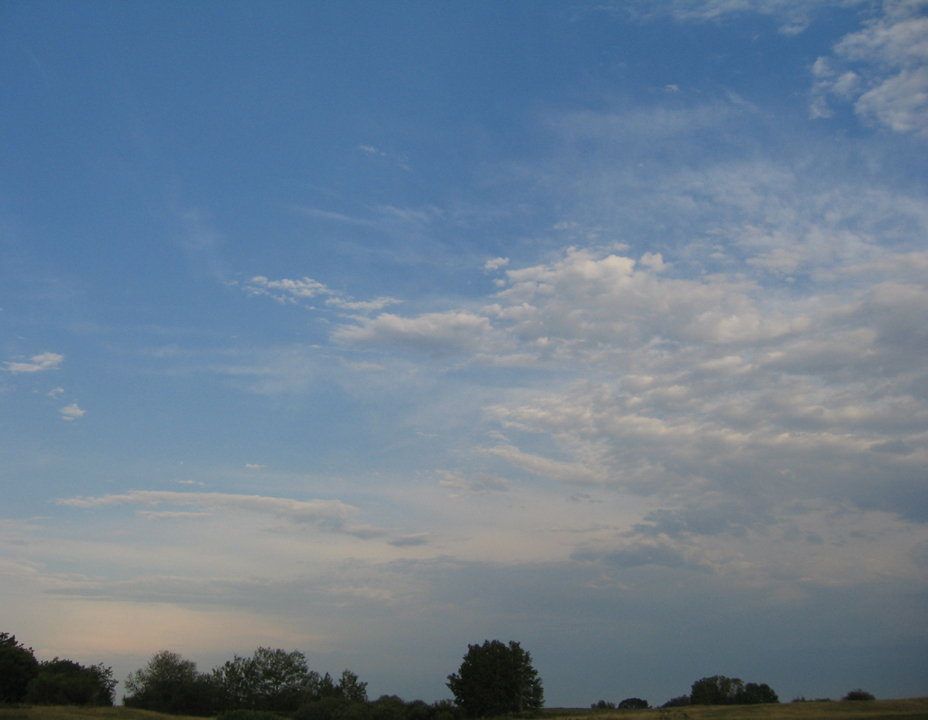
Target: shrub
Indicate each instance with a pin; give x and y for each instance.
(633, 704)
(859, 694)
(65, 682)
(603, 705)
(680, 701)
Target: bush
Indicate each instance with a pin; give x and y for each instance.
(633, 704)
(603, 705)
(65, 682)
(681, 701)
(18, 667)
(859, 694)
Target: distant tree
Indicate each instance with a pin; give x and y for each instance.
(171, 684)
(18, 667)
(65, 682)
(495, 679)
(859, 694)
(633, 704)
(716, 690)
(351, 688)
(720, 690)
(272, 680)
(603, 705)
(755, 694)
(679, 701)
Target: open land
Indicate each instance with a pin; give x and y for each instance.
(909, 709)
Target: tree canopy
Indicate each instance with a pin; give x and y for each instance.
(721, 690)
(18, 667)
(495, 679)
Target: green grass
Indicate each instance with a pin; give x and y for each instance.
(913, 709)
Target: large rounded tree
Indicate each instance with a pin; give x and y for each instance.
(495, 679)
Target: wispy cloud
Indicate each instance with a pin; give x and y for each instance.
(331, 515)
(293, 291)
(37, 363)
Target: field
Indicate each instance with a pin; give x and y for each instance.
(913, 709)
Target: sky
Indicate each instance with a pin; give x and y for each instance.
(377, 329)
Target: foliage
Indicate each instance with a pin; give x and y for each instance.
(18, 667)
(495, 679)
(721, 690)
(859, 694)
(171, 684)
(603, 705)
(280, 681)
(268, 680)
(65, 682)
(679, 701)
(633, 704)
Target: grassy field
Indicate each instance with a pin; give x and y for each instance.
(913, 709)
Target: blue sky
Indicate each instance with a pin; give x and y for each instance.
(377, 329)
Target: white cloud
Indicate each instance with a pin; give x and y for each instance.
(37, 363)
(882, 68)
(71, 412)
(286, 290)
(495, 264)
(294, 291)
(447, 332)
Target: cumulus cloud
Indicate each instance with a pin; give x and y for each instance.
(882, 69)
(331, 515)
(71, 412)
(37, 363)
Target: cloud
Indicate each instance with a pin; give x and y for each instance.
(71, 412)
(484, 484)
(284, 291)
(37, 363)
(882, 69)
(794, 15)
(331, 515)
(438, 333)
(496, 264)
(294, 291)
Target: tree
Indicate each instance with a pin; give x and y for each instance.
(859, 694)
(633, 704)
(18, 667)
(495, 679)
(716, 690)
(720, 690)
(755, 694)
(65, 682)
(171, 684)
(274, 680)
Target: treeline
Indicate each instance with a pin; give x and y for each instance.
(52, 682)
(269, 683)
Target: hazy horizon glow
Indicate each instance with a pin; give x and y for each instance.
(374, 330)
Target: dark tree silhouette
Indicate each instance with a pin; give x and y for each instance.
(18, 667)
(495, 679)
